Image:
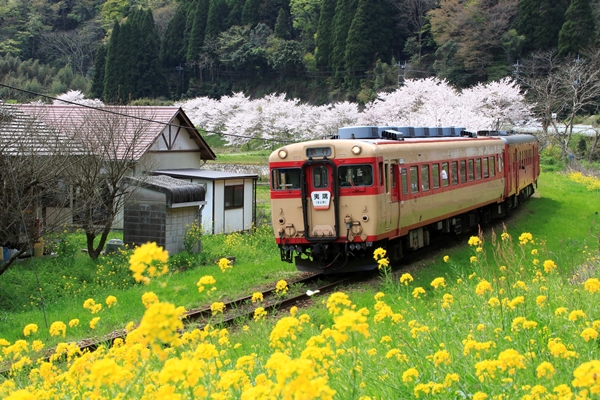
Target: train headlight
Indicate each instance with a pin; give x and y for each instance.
(282, 153)
(356, 150)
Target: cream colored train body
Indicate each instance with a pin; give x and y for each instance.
(334, 201)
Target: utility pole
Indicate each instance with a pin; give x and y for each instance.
(516, 69)
(401, 72)
(180, 69)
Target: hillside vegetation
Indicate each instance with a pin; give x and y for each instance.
(316, 50)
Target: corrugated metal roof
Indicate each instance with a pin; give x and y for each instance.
(130, 129)
(176, 190)
(191, 173)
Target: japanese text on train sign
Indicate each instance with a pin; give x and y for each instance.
(320, 200)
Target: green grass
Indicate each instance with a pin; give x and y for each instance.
(562, 213)
(68, 280)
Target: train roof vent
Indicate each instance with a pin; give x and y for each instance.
(435, 131)
(358, 132)
(468, 134)
(392, 134)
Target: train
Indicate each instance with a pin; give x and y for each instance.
(335, 200)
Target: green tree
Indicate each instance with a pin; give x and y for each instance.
(282, 26)
(235, 13)
(98, 77)
(578, 31)
(540, 22)
(198, 30)
(325, 33)
(344, 14)
(172, 50)
(150, 81)
(250, 13)
(112, 71)
(369, 37)
(217, 16)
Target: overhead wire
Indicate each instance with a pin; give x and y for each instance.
(109, 111)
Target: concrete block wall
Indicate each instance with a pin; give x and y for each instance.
(178, 222)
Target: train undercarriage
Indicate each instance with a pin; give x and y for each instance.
(342, 257)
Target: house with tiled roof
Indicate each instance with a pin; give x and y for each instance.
(157, 139)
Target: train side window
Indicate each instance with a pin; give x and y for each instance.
(404, 180)
(478, 168)
(319, 175)
(454, 171)
(394, 170)
(414, 179)
(500, 164)
(445, 174)
(285, 178)
(386, 174)
(463, 171)
(380, 174)
(492, 166)
(435, 175)
(471, 171)
(425, 177)
(486, 174)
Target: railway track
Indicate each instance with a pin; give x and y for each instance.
(234, 311)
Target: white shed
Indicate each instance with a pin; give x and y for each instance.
(230, 198)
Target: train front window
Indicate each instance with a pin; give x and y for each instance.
(319, 175)
(285, 178)
(355, 175)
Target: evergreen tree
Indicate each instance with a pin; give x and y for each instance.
(344, 14)
(324, 32)
(150, 81)
(282, 26)
(217, 15)
(250, 13)
(540, 22)
(196, 38)
(578, 31)
(369, 36)
(235, 14)
(98, 78)
(172, 52)
(112, 71)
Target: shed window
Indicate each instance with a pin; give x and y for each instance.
(234, 196)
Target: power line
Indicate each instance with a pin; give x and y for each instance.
(108, 111)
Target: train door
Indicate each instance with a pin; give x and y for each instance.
(394, 195)
(319, 194)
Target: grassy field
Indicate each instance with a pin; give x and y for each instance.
(508, 317)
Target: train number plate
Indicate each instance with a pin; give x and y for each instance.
(320, 199)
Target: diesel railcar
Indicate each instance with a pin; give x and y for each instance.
(335, 200)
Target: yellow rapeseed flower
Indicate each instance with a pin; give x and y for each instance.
(58, 328)
(588, 334)
(446, 259)
(217, 307)
(587, 375)
(111, 301)
(474, 241)
(406, 278)
(379, 253)
(205, 281)
(94, 322)
(592, 285)
(417, 292)
(257, 297)
(410, 375)
(437, 282)
(259, 313)
(225, 264)
(148, 259)
(149, 298)
(549, 266)
(482, 287)
(525, 238)
(281, 287)
(74, 323)
(29, 329)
